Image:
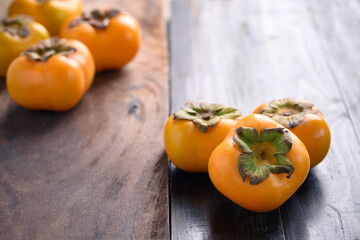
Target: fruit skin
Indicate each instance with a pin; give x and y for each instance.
(51, 13)
(314, 132)
(112, 47)
(188, 148)
(273, 191)
(57, 84)
(11, 46)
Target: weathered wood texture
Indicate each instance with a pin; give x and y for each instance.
(244, 53)
(98, 171)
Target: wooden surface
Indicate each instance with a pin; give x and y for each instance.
(244, 53)
(98, 171)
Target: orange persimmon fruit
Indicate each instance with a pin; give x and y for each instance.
(260, 164)
(305, 120)
(191, 134)
(113, 37)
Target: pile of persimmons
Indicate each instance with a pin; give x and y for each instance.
(53, 73)
(257, 161)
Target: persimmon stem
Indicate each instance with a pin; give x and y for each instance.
(18, 25)
(48, 48)
(264, 153)
(99, 19)
(288, 112)
(206, 115)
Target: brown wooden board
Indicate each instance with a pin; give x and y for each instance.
(244, 53)
(98, 171)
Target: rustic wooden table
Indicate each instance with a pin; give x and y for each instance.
(99, 171)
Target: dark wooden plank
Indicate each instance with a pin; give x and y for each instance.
(337, 29)
(98, 171)
(198, 211)
(244, 53)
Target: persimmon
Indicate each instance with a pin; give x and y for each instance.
(50, 13)
(260, 164)
(191, 134)
(52, 75)
(305, 120)
(16, 35)
(113, 37)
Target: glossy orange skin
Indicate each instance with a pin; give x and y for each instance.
(113, 47)
(52, 13)
(11, 46)
(55, 85)
(188, 148)
(314, 132)
(268, 194)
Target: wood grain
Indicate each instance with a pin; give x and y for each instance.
(244, 53)
(98, 171)
(337, 33)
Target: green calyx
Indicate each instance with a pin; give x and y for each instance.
(206, 115)
(48, 48)
(97, 18)
(18, 25)
(288, 112)
(263, 153)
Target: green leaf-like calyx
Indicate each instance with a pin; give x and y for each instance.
(97, 18)
(288, 112)
(263, 153)
(18, 25)
(206, 115)
(47, 48)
